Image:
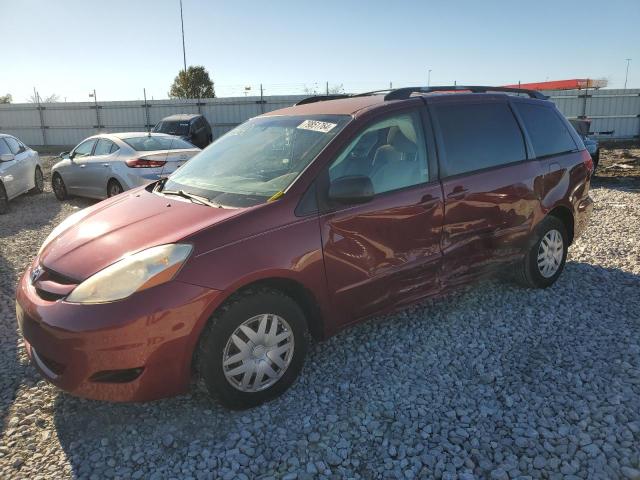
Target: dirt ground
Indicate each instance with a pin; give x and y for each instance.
(619, 162)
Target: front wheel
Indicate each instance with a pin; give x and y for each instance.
(4, 200)
(545, 260)
(59, 188)
(38, 181)
(253, 348)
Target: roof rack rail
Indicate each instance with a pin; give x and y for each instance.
(322, 98)
(404, 93)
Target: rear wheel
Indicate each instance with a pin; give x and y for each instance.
(59, 188)
(545, 260)
(596, 160)
(4, 200)
(38, 181)
(114, 188)
(253, 348)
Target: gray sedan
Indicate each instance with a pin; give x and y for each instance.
(20, 170)
(108, 164)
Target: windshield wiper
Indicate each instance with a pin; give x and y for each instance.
(194, 198)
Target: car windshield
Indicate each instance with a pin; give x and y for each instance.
(256, 160)
(173, 127)
(149, 143)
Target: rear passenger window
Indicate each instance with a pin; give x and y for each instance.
(103, 147)
(477, 136)
(547, 131)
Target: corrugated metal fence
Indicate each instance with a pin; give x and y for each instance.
(615, 111)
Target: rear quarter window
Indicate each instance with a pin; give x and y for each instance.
(548, 133)
(475, 136)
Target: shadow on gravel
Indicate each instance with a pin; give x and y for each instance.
(627, 184)
(483, 352)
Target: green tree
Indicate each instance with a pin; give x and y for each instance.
(194, 83)
(6, 98)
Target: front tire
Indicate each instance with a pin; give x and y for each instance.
(253, 348)
(545, 259)
(59, 188)
(38, 181)
(4, 200)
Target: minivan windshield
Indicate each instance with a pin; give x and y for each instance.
(173, 127)
(256, 160)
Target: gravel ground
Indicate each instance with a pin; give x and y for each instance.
(496, 382)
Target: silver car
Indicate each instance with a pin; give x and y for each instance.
(108, 164)
(20, 170)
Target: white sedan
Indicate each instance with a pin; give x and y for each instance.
(108, 164)
(20, 170)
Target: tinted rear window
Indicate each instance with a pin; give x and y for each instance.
(173, 128)
(149, 143)
(477, 136)
(547, 131)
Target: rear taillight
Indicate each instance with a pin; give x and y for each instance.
(144, 163)
(588, 161)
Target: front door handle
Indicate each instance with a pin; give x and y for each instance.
(458, 192)
(83, 165)
(105, 164)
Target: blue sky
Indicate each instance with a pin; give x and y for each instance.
(70, 47)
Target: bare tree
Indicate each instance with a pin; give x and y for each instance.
(54, 97)
(336, 89)
(6, 98)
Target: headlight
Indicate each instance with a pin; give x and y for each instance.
(67, 223)
(134, 273)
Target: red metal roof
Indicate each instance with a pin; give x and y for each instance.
(571, 84)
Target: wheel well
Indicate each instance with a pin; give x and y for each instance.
(565, 216)
(303, 297)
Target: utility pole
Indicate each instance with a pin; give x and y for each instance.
(146, 111)
(184, 53)
(626, 76)
(41, 114)
(327, 89)
(261, 99)
(95, 101)
(429, 78)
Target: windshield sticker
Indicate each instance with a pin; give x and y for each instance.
(317, 126)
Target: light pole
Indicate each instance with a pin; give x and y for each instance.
(429, 78)
(626, 76)
(184, 53)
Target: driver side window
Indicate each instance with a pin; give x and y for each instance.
(391, 152)
(84, 149)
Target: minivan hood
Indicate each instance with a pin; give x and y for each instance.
(125, 224)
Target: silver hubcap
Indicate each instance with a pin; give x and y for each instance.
(258, 353)
(115, 190)
(39, 179)
(550, 253)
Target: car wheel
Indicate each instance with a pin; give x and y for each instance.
(4, 200)
(253, 348)
(114, 188)
(38, 181)
(59, 188)
(545, 260)
(596, 160)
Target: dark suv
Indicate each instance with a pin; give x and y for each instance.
(190, 127)
(306, 219)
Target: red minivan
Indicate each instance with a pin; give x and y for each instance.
(301, 221)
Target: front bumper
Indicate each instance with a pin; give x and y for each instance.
(147, 340)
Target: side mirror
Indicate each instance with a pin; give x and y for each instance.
(64, 154)
(7, 157)
(351, 189)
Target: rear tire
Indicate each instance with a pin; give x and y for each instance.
(4, 200)
(38, 181)
(59, 188)
(266, 366)
(596, 160)
(544, 262)
(114, 188)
